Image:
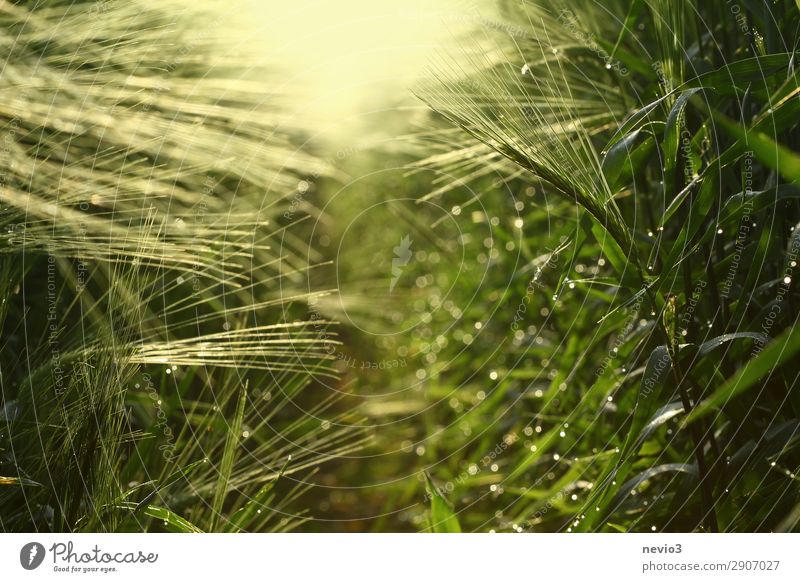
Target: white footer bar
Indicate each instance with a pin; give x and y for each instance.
(401, 557)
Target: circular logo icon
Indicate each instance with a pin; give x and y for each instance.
(31, 555)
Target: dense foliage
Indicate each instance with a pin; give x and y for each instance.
(565, 296)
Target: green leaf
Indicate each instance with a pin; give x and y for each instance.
(740, 74)
(170, 519)
(771, 153)
(630, 21)
(443, 519)
(677, 202)
(260, 500)
(180, 473)
(661, 416)
(701, 206)
(767, 361)
(635, 120)
(659, 366)
(718, 341)
(624, 156)
(226, 464)
(752, 202)
(672, 130)
(18, 481)
(610, 248)
(648, 474)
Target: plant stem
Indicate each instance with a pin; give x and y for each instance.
(706, 491)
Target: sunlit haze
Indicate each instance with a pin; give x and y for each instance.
(349, 56)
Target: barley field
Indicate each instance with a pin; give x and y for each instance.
(513, 266)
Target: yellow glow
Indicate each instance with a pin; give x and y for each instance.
(351, 55)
